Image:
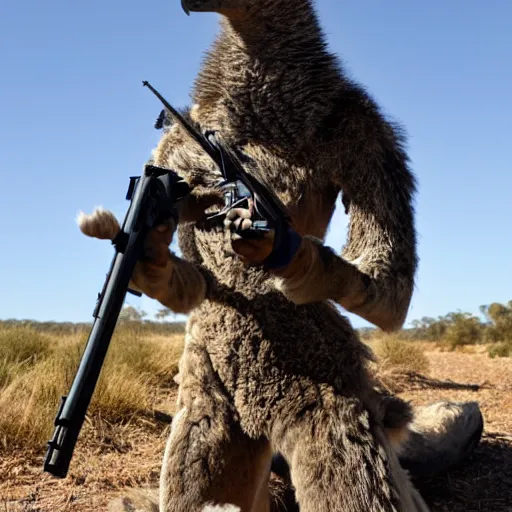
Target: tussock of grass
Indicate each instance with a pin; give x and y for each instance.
(400, 355)
(36, 370)
(397, 360)
(154, 356)
(28, 400)
(121, 393)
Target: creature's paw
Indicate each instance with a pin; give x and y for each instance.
(194, 206)
(257, 245)
(252, 246)
(158, 240)
(100, 224)
(152, 275)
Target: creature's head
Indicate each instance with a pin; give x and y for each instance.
(243, 8)
(227, 7)
(289, 12)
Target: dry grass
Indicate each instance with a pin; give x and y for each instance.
(397, 360)
(37, 369)
(20, 349)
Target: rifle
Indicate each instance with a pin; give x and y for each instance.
(153, 199)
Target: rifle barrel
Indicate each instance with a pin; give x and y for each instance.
(73, 408)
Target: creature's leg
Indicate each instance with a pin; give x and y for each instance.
(340, 462)
(440, 436)
(208, 459)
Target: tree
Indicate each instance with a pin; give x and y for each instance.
(462, 329)
(499, 317)
(429, 328)
(131, 314)
(163, 313)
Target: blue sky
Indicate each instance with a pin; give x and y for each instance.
(75, 123)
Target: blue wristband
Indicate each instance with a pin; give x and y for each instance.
(288, 244)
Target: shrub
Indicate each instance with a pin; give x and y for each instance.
(400, 355)
(463, 329)
(503, 349)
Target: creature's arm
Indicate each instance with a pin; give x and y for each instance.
(374, 277)
(174, 282)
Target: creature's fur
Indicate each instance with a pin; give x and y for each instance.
(100, 224)
(269, 364)
(440, 433)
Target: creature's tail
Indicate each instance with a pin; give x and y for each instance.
(100, 224)
(441, 436)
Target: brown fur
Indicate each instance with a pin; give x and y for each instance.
(269, 364)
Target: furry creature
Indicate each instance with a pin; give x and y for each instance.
(269, 364)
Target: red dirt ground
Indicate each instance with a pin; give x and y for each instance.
(111, 458)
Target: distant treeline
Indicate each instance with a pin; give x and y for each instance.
(460, 328)
(64, 328)
(452, 329)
